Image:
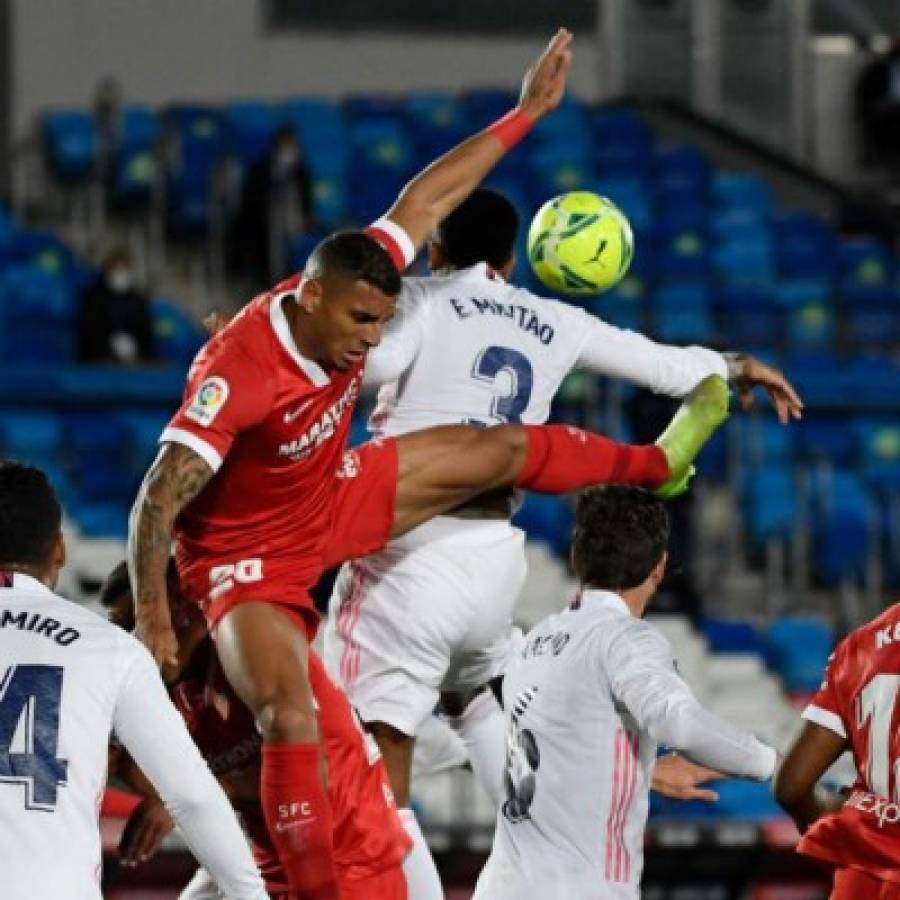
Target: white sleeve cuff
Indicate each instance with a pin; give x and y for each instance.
(190, 440)
(399, 236)
(826, 718)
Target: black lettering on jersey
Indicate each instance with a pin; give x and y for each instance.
(525, 318)
(522, 761)
(40, 625)
(542, 644)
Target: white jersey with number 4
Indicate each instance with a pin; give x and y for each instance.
(468, 347)
(588, 699)
(67, 679)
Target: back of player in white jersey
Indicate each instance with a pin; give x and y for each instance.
(588, 699)
(468, 347)
(69, 678)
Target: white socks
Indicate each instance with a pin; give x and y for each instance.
(422, 879)
(482, 728)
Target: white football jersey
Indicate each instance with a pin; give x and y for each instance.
(587, 700)
(67, 679)
(468, 347)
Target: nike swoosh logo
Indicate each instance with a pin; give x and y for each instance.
(290, 416)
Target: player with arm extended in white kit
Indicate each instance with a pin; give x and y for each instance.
(589, 698)
(431, 614)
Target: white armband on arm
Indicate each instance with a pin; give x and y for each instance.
(155, 735)
(664, 369)
(643, 678)
(395, 240)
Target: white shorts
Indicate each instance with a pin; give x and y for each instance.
(431, 612)
(201, 887)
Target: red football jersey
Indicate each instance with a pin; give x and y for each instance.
(859, 701)
(274, 426)
(368, 834)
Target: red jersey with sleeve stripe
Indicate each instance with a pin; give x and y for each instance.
(858, 701)
(368, 834)
(273, 426)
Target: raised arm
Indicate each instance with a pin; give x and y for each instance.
(176, 476)
(435, 192)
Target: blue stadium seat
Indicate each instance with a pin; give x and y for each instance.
(865, 260)
(733, 636)
(804, 246)
(811, 327)
(35, 437)
(372, 107)
(740, 190)
(800, 648)
(769, 503)
(251, 127)
(546, 518)
(437, 121)
(821, 379)
(300, 247)
(748, 314)
(842, 515)
(873, 382)
(795, 293)
(681, 254)
(630, 195)
(101, 520)
(746, 801)
(879, 442)
(144, 429)
(623, 306)
(31, 295)
(684, 168)
(42, 250)
(682, 313)
(743, 259)
(70, 145)
(488, 104)
(134, 165)
(381, 145)
(177, 336)
(764, 440)
(819, 439)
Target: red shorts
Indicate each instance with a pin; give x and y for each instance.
(854, 884)
(365, 489)
(387, 885)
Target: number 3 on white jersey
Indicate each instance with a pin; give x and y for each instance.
(877, 701)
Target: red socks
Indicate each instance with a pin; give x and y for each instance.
(298, 816)
(562, 459)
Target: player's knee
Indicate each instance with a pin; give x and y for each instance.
(506, 447)
(283, 722)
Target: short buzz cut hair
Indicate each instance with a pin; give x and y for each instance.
(30, 514)
(621, 533)
(357, 256)
(482, 228)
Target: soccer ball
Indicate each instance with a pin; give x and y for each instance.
(580, 243)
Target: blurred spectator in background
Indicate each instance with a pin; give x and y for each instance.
(276, 202)
(878, 110)
(114, 323)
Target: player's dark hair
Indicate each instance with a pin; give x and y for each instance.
(30, 515)
(482, 228)
(621, 533)
(116, 585)
(357, 256)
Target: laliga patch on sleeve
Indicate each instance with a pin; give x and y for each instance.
(209, 399)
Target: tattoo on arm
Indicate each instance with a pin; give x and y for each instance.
(177, 475)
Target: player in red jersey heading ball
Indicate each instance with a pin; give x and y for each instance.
(253, 468)
(856, 709)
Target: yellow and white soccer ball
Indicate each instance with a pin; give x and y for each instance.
(580, 243)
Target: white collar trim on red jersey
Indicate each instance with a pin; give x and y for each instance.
(313, 371)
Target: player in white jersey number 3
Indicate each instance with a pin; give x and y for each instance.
(67, 678)
(433, 611)
(588, 700)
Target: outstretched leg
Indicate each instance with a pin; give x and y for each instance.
(443, 467)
